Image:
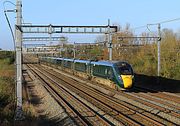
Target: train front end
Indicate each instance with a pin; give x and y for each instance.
(125, 75)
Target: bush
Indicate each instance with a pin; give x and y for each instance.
(9, 55)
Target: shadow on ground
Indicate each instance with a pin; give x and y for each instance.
(40, 121)
(7, 116)
(39, 117)
(160, 85)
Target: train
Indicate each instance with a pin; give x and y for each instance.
(115, 74)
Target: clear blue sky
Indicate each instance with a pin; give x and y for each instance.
(91, 12)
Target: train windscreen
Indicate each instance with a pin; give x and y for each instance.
(125, 69)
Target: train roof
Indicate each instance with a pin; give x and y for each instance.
(49, 57)
(100, 62)
(103, 62)
(108, 63)
(82, 61)
(59, 58)
(66, 59)
(53, 58)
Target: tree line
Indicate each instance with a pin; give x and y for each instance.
(142, 55)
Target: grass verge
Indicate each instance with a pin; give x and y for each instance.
(7, 86)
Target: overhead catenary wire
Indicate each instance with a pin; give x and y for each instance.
(161, 22)
(167, 21)
(139, 27)
(8, 21)
(7, 1)
(10, 29)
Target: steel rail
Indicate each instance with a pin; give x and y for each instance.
(71, 111)
(107, 100)
(90, 111)
(144, 116)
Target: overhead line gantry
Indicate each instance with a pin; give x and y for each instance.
(47, 29)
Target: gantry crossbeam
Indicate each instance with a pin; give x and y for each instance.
(66, 29)
(139, 38)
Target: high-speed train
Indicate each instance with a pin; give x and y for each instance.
(115, 74)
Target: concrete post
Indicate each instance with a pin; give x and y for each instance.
(19, 113)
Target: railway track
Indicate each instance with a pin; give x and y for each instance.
(121, 111)
(170, 97)
(26, 95)
(79, 112)
(168, 101)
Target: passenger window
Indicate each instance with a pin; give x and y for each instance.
(110, 74)
(109, 71)
(106, 71)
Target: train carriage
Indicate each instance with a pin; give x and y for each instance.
(114, 74)
(60, 62)
(52, 61)
(45, 60)
(82, 68)
(68, 65)
(102, 72)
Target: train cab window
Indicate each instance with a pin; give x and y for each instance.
(125, 69)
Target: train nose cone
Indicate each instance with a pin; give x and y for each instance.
(127, 80)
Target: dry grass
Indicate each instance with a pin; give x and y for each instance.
(6, 92)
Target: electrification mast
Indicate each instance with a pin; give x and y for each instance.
(159, 50)
(109, 41)
(18, 39)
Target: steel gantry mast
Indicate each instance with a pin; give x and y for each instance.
(109, 41)
(159, 51)
(18, 40)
